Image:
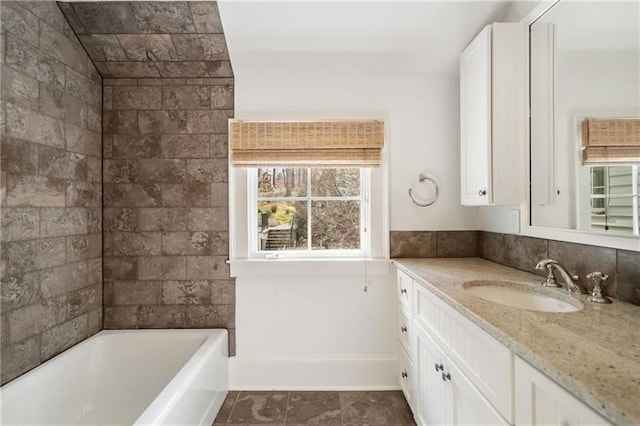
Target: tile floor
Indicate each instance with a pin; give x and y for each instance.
(315, 408)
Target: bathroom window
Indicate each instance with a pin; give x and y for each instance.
(306, 211)
(615, 193)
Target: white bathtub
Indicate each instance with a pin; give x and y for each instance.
(125, 377)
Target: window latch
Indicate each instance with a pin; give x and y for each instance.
(274, 256)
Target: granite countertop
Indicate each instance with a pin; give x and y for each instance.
(593, 353)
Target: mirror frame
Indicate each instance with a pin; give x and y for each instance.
(569, 235)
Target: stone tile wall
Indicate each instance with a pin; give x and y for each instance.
(152, 38)
(520, 252)
(166, 238)
(50, 205)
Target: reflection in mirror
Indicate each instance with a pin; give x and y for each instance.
(585, 76)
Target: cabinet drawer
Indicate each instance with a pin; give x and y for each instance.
(404, 290)
(406, 374)
(486, 362)
(405, 325)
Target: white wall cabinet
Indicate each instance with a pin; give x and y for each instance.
(493, 116)
(540, 401)
(452, 372)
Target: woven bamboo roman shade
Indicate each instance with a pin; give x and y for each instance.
(611, 140)
(306, 143)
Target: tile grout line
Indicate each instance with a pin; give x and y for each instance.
(286, 409)
(233, 407)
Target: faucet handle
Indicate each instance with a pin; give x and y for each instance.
(551, 278)
(598, 279)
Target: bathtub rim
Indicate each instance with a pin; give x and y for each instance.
(167, 398)
(212, 337)
(107, 332)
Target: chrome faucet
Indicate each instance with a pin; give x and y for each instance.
(571, 281)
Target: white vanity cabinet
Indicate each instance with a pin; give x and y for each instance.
(444, 395)
(447, 365)
(540, 401)
(482, 360)
(493, 115)
(453, 372)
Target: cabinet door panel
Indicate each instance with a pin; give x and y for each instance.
(469, 406)
(433, 396)
(475, 120)
(540, 401)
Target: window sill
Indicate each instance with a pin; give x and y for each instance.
(262, 267)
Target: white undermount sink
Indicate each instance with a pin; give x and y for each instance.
(523, 296)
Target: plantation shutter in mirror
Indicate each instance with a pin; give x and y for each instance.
(306, 143)
(610, 140)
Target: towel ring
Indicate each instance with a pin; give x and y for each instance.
(423, 178)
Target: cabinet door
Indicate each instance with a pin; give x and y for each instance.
(540, 401)
(475, 120)
(433, 396)
(469, 406)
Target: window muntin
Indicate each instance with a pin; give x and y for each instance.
(312, 212)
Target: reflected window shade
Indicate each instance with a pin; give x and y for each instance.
(306, 144)
(610, 141)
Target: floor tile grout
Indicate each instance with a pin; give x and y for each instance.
(286, 407)
(233, 406)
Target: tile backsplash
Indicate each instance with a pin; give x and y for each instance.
(433, 244)
(520, 252)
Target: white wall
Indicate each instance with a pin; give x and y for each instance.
(422, 116)
(325, 331)
(315, 332)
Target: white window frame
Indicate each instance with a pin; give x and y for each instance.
(365, 221)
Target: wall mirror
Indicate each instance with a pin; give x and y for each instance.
(585, 79)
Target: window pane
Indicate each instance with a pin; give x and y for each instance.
(335, 225)
(282, 182)
(335, 182)
(282, 225)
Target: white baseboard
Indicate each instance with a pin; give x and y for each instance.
(340, 373)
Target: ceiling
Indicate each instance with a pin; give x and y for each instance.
(423, 35)
(185, 38)
(596, 25)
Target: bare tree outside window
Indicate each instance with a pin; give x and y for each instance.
(309, 208)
